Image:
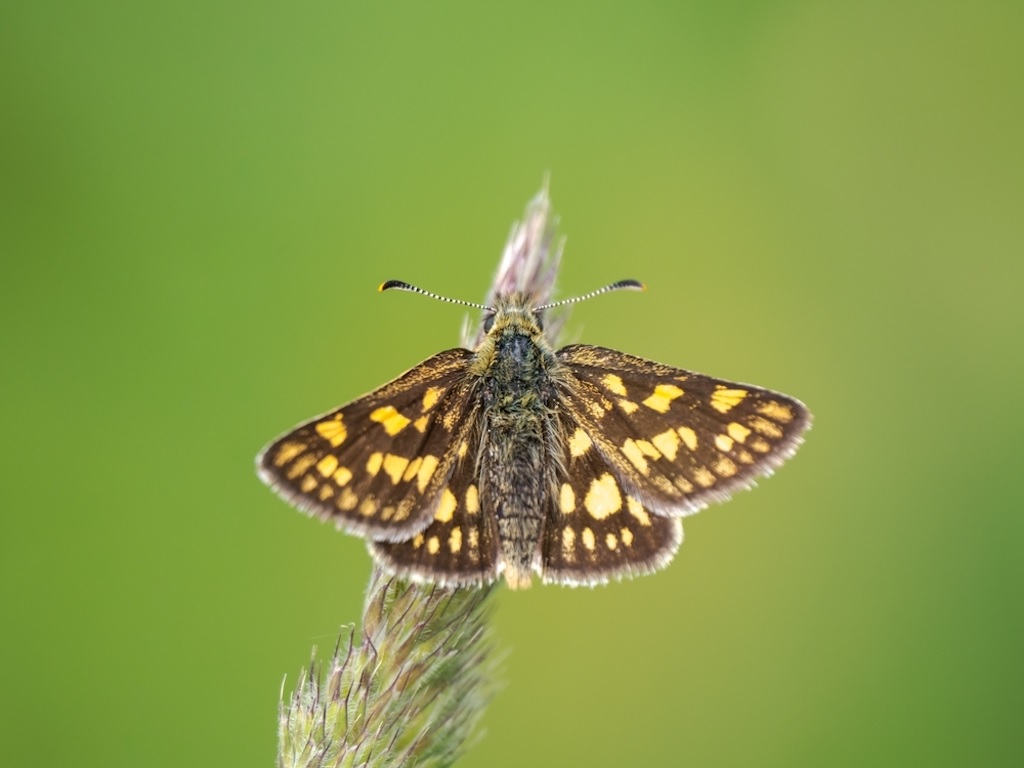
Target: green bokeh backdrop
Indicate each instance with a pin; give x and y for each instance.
(198, 199)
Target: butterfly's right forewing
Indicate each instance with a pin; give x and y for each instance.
(376, 466)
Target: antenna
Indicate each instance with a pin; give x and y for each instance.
(400, 285)
(403, 286)
(635, 285)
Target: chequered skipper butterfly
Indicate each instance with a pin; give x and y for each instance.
(515, 458)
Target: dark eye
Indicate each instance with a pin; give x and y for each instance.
(488, 323)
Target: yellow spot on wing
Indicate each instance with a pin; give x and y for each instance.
(446, 507)
(567, 500)
(664, 485)
(661, 399)
(603, 498)
(426, 471)
(637, 510)
(300, 466)
(332, 431)
(430, 398)
(412, 469)
(760, 445)
(627, 537)
(704, 477)
(392, 421)
(611, 541)
(766, 428)
(326, 491)
(287, 452)
(368, 506)
(374, 463)
(668, 443)
(455, 540)
(724, 400)
(628, 406)
(636, 457)
(472, 500)
(588, 539)
(402, 512)
(327, 465)
(776, 411)
(309, 484)
(723, 442)
(579, 443)
(737, 431)
(648, 450)
(421, 423)
(433, 545)
(614, 384)
(394, 466)
(348, 500)
(725, 467)
(569, 544)
(689, 437)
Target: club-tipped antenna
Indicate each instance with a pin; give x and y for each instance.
(634, 285)
(403, 286)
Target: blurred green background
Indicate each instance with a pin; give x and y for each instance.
(198, 201)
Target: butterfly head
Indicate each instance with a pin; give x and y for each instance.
(513, 315)
(514, 335)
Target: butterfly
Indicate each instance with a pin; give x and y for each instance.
(514, 458)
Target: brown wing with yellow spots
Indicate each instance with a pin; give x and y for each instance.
(377, 465)
(459, 547)
(597, 530)
(675, 440)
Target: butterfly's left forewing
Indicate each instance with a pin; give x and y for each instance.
(676, 440)
(377, 465)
